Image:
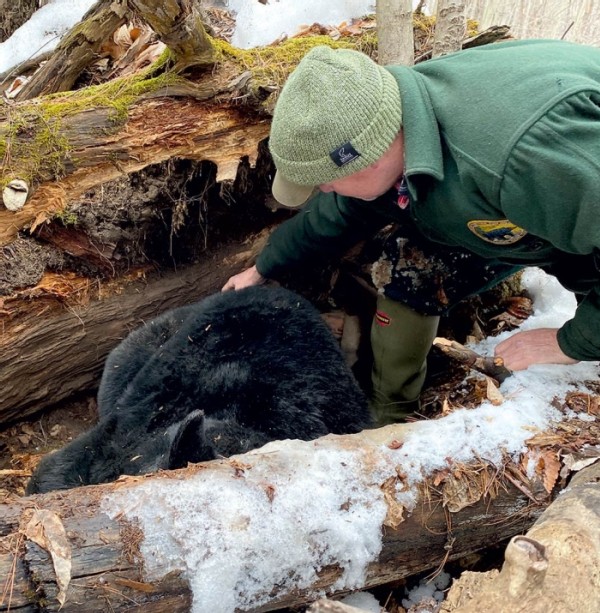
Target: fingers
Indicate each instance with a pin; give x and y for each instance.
(246, 278)
(539, 346)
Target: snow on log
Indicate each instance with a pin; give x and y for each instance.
(276, 527)
(554, 567)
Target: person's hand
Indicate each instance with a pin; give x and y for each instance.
(524, 349)
(246, 278)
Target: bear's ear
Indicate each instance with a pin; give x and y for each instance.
(189, 443)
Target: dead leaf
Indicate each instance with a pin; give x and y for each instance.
(46, 529)
(269, 491)
(439, 476)
(574, 462)
(493, 393)
(459, 492)
(395, 511)
(550, 468)
(446, 408)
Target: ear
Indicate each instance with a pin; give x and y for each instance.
(189, 443)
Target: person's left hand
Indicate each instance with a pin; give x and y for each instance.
(524, 349)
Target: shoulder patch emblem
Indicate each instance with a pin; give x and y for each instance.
(496, 231)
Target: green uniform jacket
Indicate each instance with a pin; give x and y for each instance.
(502, 157)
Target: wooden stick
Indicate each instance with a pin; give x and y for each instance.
(491, 366)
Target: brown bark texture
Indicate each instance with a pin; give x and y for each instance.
(554, 568)
(84, 547)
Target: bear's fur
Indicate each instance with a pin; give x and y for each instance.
(211, 379)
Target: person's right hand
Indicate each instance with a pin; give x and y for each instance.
(246, 278)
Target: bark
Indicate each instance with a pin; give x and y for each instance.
(62, 352)
(554, 567)
(491, 35)
(395, 32)
(331, 606)
(13, 14)
(108, 561)
(450, 27)
(178, 24)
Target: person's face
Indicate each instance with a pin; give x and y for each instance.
(376, 179)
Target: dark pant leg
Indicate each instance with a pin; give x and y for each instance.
(418, 281)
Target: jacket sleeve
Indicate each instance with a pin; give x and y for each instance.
(326, 227)
(551, 187)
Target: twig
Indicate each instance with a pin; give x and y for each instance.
(493, 367)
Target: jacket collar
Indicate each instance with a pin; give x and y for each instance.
(422, 145)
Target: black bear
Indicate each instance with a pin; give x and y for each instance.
(215, 378)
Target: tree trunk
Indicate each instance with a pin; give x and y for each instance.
(450, 27)
(13, 14)
(176, 22)
(395, 32)
(77, 50)
(111, 550)
(555, 567)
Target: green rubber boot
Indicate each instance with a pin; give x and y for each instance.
(401, 339)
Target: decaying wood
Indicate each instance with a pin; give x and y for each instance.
(555, 567)
(491, 366)
(331, 606)
(176, 22)
(107, 564)
(77, 50)
(157, 130)
(491, 35)
(63, 351)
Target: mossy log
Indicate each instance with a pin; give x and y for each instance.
(77, 50)
(93, 146)
(106, 536)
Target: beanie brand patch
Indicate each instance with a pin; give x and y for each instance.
(344, 154)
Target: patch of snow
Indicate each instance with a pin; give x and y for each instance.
(42, 32)
(364, 601)
(260, 24)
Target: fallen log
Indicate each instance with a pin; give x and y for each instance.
(554, 567)
(156, 130)
(62, 352)
(272, 528)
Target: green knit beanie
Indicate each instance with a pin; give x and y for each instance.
(337, 113)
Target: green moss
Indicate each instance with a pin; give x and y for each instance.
(33, 145)
(271, 66)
